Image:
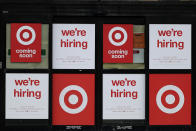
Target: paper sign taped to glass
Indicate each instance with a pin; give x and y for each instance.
(25, 42)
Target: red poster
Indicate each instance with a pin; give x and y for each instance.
(25, 42)
(73, 99)
(170, 99)
(117, 43)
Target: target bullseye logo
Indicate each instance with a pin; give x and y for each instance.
(117, 36)
(170, 99)
(73, 99)
(25, 35)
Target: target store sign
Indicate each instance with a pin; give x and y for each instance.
(26, 96)
(170, 99)
(170, 46)
(25, 42)
(73, 46)
(117, 43)
(73, 99)
(123, 96)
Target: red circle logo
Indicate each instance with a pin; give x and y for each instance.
(26, 35)
(73, 99)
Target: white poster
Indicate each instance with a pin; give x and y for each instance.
(170, 46)
(73, 46)
(26, 96)
(123, 96)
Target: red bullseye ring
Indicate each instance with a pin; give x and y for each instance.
(176, 101)
(70, 105)
(170, 99)
(26, 31)
(121, 36)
